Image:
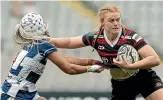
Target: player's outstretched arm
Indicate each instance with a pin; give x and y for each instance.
(69, 43)
(59, 60)
(80, 61)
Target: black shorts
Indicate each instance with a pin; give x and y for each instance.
(144, 82)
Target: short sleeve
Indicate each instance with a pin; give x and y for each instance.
(88, 39)
(138, 41)
(45, 48)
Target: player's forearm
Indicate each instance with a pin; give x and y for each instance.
(77, 69)
(146, 63)
(60, 42)
(79, 61)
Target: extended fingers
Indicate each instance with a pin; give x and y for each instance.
(116, 61)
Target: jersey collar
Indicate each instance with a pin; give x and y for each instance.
(112, 44)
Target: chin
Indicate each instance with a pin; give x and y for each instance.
(116, 32)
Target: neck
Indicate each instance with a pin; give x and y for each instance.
(111, 36)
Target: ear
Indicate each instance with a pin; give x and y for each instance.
(102, 21)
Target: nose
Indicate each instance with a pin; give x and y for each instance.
(115, 22)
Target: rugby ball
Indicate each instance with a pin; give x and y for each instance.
(131, 55)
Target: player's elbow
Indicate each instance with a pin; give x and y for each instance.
(70, 71)
(156, 60)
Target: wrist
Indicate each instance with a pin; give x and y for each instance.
(131, 66)
(90, 61)
(93, 68)
(88, 68)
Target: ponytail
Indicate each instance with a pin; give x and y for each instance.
(99, 33)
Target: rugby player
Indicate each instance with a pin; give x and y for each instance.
(29, 65)
(107, 40)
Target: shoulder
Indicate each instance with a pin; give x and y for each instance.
(43, 42)
(131, 34)
(45, 46)
(89, 37)
(134, 39)
(91, 34)
(94, 34)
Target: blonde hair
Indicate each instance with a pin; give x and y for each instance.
(22, 38)
(105, 9)
(30, 29)
(101, 14)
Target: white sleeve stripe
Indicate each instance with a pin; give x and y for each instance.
(139, 38)
(47, 51)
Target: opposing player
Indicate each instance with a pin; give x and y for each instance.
(28, 66)
(107, 40)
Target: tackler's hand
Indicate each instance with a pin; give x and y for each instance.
(95, 68)
(104, 65)
(96, 62)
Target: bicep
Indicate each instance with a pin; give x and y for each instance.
(146, 51)
(142, 47)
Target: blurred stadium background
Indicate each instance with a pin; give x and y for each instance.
(67, 19)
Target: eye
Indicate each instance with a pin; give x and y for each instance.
(118, 19)
(111, 20)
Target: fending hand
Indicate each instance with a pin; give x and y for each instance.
(95, 68)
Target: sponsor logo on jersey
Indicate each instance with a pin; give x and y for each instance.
(39, 70)
(104, 59)
(136, 37)
(101, 47)
(126, 37)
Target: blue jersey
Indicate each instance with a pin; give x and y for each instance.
(27, 69)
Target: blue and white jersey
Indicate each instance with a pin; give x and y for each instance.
(27, 69)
